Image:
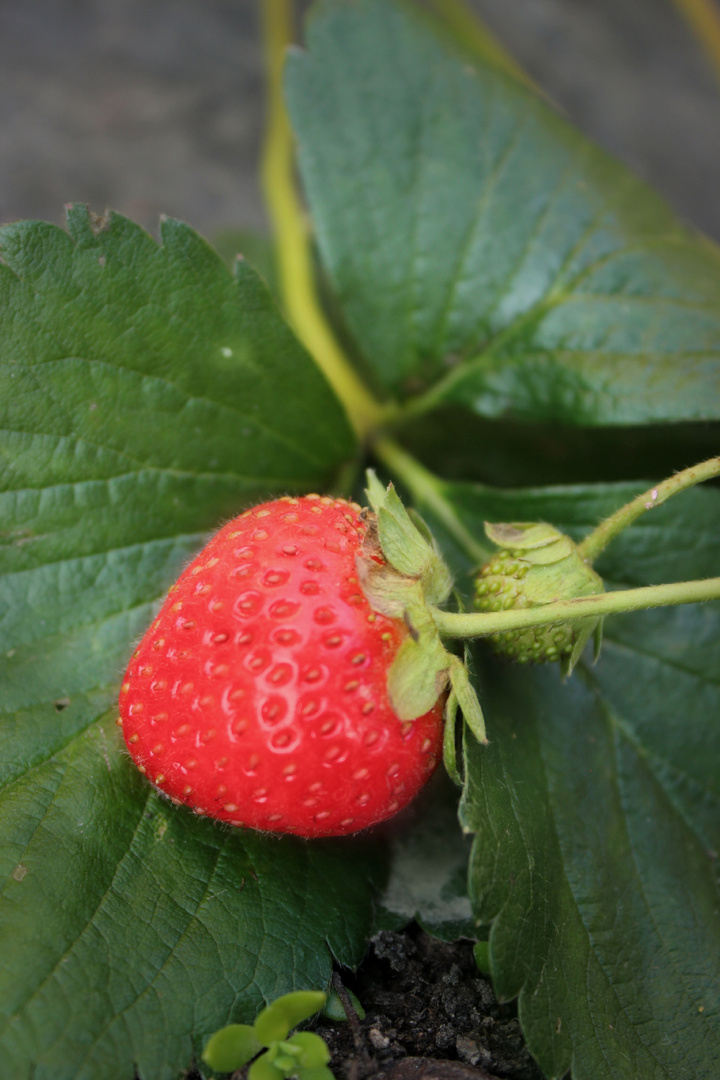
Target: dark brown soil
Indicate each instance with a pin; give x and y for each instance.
(429, 1013)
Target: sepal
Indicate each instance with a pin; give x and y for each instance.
(388, 592)
(583, 632)
(450, 756)
(526, 536)
(406, 547)
(418, 674)
(467, 699)
(403, 577)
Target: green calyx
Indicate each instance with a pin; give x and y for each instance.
(537, 565)
(303, 1055)
(537, 599)
(403, 574)
(406, 543)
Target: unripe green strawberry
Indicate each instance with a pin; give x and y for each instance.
(259, 695)
(536, 565)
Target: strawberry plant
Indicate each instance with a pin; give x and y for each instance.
(485, 294)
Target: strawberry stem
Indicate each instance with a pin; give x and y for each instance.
(598, 540)
(295, 265)
(454, 625)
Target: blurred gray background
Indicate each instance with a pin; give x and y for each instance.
(156, 106)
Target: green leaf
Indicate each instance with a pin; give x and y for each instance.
(287, 1012)
(319, 1072)
(314, 1049)
(450, 735)
(520, 453)
(139, 390)
(597, 809)
(264, 1069)
(231, 1047)
(483, 252)
(232, 244)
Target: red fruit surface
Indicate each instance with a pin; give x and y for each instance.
(258, 696)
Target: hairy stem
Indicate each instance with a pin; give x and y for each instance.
(297, 279)
(427, 492)
(598, 540)
(455, 625)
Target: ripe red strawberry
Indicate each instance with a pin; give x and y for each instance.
(258, 696)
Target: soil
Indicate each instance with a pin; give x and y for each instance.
(430, 1015)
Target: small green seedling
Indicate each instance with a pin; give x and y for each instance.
(303, 1055)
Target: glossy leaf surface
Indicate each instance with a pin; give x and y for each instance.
(482, 251)
(139, 392)
(597, 809)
